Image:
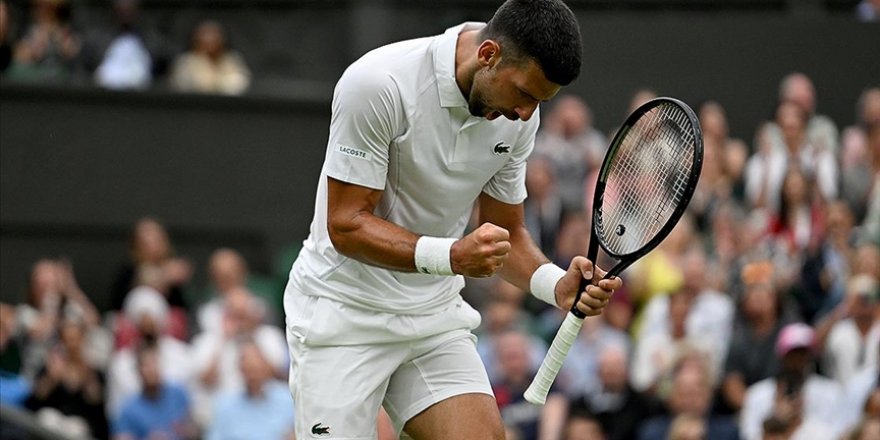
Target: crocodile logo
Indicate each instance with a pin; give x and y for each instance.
(319, 430)
(500, 148)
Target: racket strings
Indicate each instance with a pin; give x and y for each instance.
(647, 179)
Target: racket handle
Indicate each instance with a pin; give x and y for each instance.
(565, 337)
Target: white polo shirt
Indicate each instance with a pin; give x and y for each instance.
(400, 124)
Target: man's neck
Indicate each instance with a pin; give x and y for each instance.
(465, 62)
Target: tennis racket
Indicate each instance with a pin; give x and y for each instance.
(645, 183)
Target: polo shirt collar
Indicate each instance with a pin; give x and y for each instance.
(444, 65)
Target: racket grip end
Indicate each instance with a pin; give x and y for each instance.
(534, 396)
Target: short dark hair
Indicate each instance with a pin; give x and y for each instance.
(544, 30)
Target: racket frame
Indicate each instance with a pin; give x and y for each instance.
(626, 260)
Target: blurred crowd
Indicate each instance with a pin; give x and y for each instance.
(168, 360)
(39, 43)
(757, 318)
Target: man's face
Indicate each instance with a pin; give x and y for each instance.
(509, 89)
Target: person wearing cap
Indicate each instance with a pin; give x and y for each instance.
(806, 401)
(851, 333)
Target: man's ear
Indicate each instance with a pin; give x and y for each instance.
(489, 53)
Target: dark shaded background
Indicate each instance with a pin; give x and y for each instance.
(79, 165)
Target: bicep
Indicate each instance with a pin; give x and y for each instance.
(346, 201)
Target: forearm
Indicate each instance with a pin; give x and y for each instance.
(524, 258)
(374, 241)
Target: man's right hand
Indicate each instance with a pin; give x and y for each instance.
(482, 252)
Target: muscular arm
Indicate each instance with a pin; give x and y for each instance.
(357, 233)
(524, 256)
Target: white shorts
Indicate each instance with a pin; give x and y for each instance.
(342, 373)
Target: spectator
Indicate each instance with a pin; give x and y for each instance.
(581, 425)
(766, 169)
(126, 62)
(708, 313)
(543, 208)
(148, 310)
(852, 333)
(870, 227)
(867, 260)
(809, 403)
(617, 408)
(858, 162)
(573, 237)
(10, 346)
(868, 429)
(262, 410)
(581, 365)
(826, 268)
(503, 314)
(14, 388)
(734, 236)
(210, 66)
(49, 49)
(868, 10)
(227, 270)
(532, 422)
(687, 427)
(153, 264)
(5, 37)
(661, 349)
(215, 355)
(160, 410)
(750, 358)
(820, 130)
(691, 395)
(799, 223)
(640, 97)
(68, 394)
(572, 146)
(723, 164)
(54, 294)
(862, 396)
(660, 271)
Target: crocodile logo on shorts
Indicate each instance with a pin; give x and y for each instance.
(500, 148)
(318, 430)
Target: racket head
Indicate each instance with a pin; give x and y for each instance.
(646, 180)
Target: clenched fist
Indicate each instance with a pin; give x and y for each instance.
(480, 253)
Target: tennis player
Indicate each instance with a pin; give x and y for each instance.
(420, 131)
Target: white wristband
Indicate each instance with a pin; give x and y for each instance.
(543, 282)
(432, 255)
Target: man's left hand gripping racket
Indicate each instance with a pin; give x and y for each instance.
(645, 183)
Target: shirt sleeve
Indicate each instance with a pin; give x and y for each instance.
(367, 114)
(508, 185)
